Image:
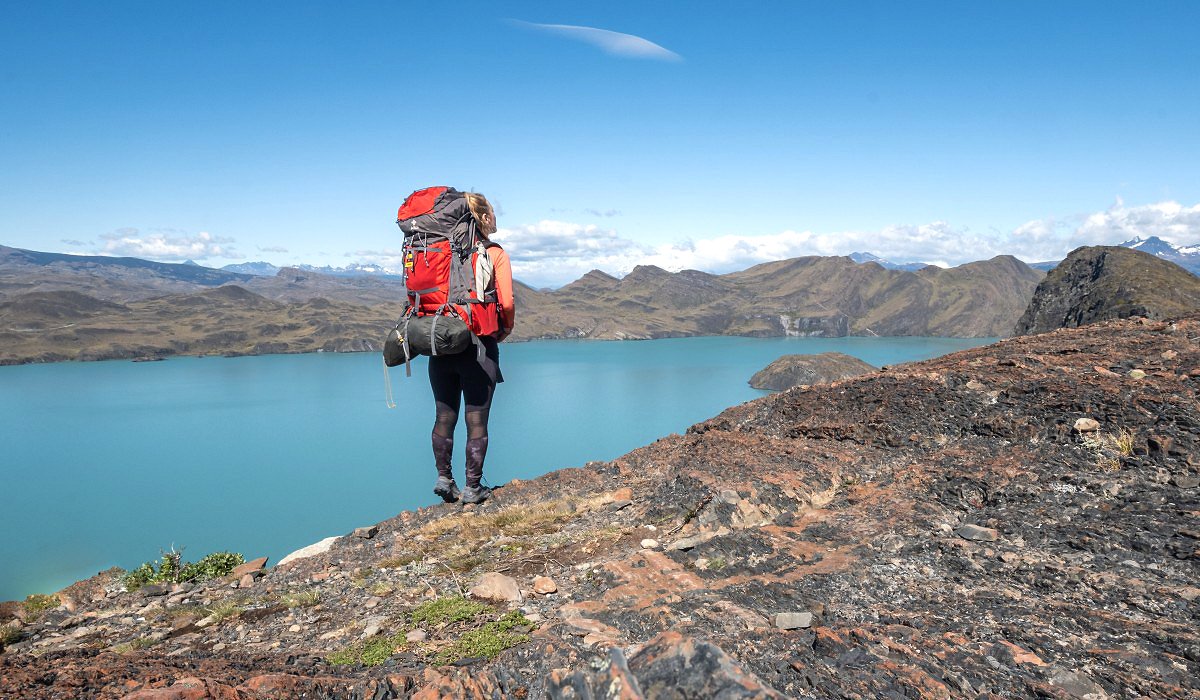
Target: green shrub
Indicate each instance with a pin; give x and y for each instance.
(37, 604)
(9, 635)
(170, 569)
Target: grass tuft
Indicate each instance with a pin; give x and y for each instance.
(372, 652)
(452, 609)
(303, 599)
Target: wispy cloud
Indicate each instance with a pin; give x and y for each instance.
(610, 42)
(272, 249)
(166, 245)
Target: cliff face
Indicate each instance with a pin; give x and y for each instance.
(1108, 282)
(1017, 520)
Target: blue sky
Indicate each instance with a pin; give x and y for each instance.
(714, 136)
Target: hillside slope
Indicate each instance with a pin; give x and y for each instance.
(948, 528)
(821, 296)
(1107, 282)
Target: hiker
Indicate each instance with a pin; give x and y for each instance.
(471, 376)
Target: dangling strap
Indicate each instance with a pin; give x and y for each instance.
(387, 385)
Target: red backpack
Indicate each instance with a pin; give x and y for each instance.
(446, 265)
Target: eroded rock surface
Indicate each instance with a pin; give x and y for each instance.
(942, 527)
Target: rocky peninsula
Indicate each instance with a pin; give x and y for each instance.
(1016, 520)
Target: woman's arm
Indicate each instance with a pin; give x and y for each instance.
(502, 270)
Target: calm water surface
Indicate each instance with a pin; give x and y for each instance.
(106, 463)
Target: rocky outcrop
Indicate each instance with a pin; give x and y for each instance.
(1108, 282)
(948, 528)
(796, 370)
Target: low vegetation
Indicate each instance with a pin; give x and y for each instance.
(171, 569)
(37, 604)
(473, 628)
(372, 652)
(303, 599)
(9, 635)
(487, 641)
(444, 610)
(134, 645)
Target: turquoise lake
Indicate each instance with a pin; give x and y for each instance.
(107, 463)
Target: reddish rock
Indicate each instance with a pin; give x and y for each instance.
(251, 567)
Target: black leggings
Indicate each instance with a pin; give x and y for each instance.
(460, 377)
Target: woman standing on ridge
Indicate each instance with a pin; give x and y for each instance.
(471, 376)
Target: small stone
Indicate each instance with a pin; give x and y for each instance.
(533, 617)
(246, 581)
(544, 585)
(366, 533)
(294, 628)
(374, 626)
(1077, 684)
(207, 622)
(319, 576)
(623, 494)
(793, 620)
(1186, 481)
(1105, 372)
(1087, 425)
(975, 385)
(701, 563)
(975, 532)
(498, 587)
(154, 590)
(416, 636)
(251, 567)
(1169, 355)
(620, 505)
(1137, 374)
(592, 639)
(372, 602)
(649, 543)
(651, 528)
(219, 646)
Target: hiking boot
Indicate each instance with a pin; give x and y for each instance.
(477, 494)
(446, 489)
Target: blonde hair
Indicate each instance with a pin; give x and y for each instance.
(484, 215)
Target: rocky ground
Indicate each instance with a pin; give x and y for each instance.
(1018, 520)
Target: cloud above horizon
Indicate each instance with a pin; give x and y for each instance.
(610, 42)
(166, 245)
(551, 253)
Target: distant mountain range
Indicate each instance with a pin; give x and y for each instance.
(266, 269)
(55, 306)
(1187, 257)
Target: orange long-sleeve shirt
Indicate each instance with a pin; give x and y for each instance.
(502, 270)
